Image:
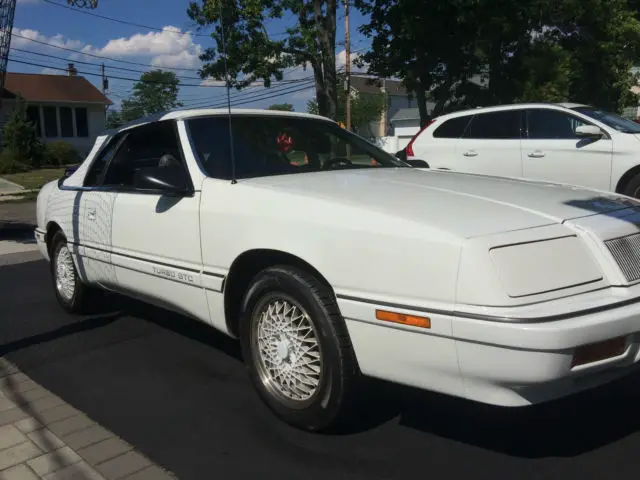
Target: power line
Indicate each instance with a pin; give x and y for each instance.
(111, 76)
(138, 79)
(124, 69)
(140, 25)
(103, 57)
(300, 89)
(281, 90)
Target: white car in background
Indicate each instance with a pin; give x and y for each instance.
(566, 143)
(328, 268)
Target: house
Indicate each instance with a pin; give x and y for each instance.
(405, 124)
(63, 107)
(396, 95)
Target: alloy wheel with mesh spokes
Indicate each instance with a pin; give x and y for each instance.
(65, 274)
(287, 350)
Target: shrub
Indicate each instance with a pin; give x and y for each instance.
(60, 153)
(10, 164)
(19, 137)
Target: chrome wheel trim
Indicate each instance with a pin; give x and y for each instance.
(65, 273)
(287, 351)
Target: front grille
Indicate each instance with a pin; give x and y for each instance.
(626, 253)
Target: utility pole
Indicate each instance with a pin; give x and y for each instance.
(347, 48)
(105, 87)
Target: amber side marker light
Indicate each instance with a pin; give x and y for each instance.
(401, 318)
(595, 352)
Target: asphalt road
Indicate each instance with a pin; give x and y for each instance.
(177, 391)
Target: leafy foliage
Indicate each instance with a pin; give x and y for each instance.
(252, 54)
(156, 91)
(114, 119)
(20, 142)
(365, 108)
(463, 53)
(60, 153)
(283, 107)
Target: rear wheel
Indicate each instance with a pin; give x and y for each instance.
(297, 350)
(632, 188)
(72, 294)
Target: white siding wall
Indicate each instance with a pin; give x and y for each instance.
(95, 121)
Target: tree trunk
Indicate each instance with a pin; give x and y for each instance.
(325, 67)
(421, 98)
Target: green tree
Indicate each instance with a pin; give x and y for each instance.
(156, 91)
(114, 119)
(252, 54)
(19, 138)
(365, 108)
(603, 40)
(283, 107)
(525, 50)
(431, 49)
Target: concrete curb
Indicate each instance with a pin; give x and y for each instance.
(18, 192)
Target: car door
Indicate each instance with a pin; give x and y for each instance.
(490, 144)
(552, 151)
(156, 233)
(439, 148)
(94, 222)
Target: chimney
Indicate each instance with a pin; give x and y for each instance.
(71, 70)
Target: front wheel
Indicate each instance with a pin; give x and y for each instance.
(72, 294)
(632, 189)
(297, 349)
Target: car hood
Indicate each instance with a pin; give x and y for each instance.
(468, 205)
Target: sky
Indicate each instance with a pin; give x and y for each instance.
(173, 43)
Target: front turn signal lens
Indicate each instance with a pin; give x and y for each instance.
(401, 318)
(596, 352)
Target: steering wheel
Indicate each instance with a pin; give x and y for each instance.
(337, 161)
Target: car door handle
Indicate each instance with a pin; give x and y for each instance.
(470, 153)
(536, 154)
(91, 214)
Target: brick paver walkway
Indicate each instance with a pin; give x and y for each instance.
(44, 438)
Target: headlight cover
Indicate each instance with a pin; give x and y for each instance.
(537, 267)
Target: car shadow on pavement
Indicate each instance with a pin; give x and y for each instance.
(17, 231)
(561, 428)
(565, 428)
(71, 329)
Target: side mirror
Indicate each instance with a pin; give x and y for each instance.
(589, 131)
(414, 162)
(162, 180)
(69, 171)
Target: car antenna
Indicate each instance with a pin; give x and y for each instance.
(228, 86)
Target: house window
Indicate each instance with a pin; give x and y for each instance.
(50, 121)
(66, 122)
(33, 114)
(82, 124)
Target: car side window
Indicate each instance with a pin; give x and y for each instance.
(94, 175)
(550, 124)
(151, 145)
(452, 128)
(503, 125)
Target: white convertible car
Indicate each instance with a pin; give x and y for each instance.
(330, 259)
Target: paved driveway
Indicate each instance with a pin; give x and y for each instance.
(178, 392)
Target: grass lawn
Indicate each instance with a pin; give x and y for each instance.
(35, 179)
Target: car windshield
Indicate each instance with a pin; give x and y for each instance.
(279, 145)
(612, 120)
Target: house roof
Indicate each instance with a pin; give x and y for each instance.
(374, 85)
(406, 114)
(410, 113)
(35, 87)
